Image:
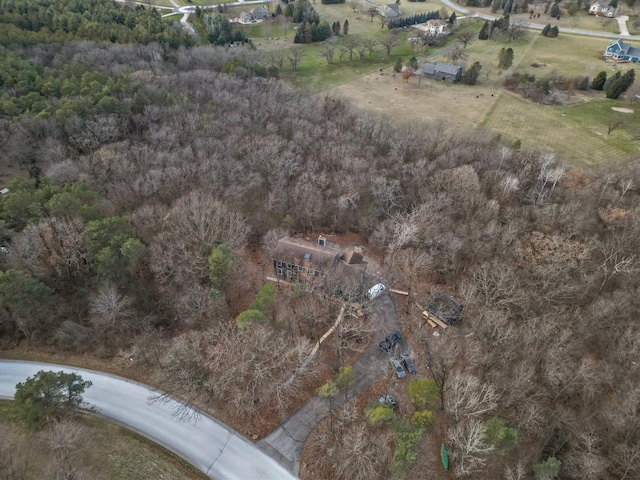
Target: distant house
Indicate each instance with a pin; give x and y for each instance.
(434, 27)
(441, 71)
(260, 13)
(602, 10)
(391, 10)
(622, 52)
(245, 18)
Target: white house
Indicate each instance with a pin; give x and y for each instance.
(434, 27)
(602, 10)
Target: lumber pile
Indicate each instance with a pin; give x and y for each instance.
(434, 321)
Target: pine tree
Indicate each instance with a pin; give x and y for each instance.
(553, 32)
(484, 31)
(611, 80)
(619, 86)
(345, 27)
(278, 10)
(545, 30)
(398, 66)
(555, 10)
(598, 82)
(505, 59)
(452, 18)
(470, 75)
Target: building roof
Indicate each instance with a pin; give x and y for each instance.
(300, 252)
(391, 9)
(352, 258)
(433, 68)
(436, 22)
(625, 48)
(261, 9)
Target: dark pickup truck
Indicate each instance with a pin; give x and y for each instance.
(387, 344)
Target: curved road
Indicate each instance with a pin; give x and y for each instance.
(207, 444)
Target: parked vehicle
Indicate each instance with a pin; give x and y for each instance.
(408, 362)
(387, 400)
(398, 366)
(388, 343)
(376, 290)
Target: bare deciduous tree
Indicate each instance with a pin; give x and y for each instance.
(468, 441)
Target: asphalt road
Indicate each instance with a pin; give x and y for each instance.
(207, 444)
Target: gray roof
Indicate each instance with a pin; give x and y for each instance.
(432, 68)
(626, 49)
(301, 252)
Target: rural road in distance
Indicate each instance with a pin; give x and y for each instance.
(207, 444)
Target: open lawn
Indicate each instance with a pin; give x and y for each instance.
(111, 452)
(315, 73)
(567, 55)
(578, 132)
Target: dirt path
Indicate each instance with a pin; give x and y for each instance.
(286, 442)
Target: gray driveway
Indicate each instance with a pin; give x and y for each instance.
(207, 444)
(287, 441)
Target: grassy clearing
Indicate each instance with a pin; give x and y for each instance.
(569, 131)
(578, 133)
(114, 453)
(315, 73)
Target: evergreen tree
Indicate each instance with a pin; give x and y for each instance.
(345, 27)
(452, 18)
(288, 11)
(505, 58)
(553, 32)
(278, 10)
(598, 82)
(48, 396)
(484, 31)
(470, 75)
(584, 83)
(614, 4)
(610, 80)
(545, 30)
(507, 8)
(398, 66)
(555, 10)
(619, 86)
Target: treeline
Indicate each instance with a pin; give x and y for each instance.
(28, 22)
(543, 256)
(412, 20)
(63, 90)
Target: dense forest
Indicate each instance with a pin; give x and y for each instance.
(155, 179)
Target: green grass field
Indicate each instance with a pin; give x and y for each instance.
(578, 132)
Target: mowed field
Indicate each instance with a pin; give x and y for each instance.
(577, 132)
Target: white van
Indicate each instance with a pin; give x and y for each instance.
(376, 290)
